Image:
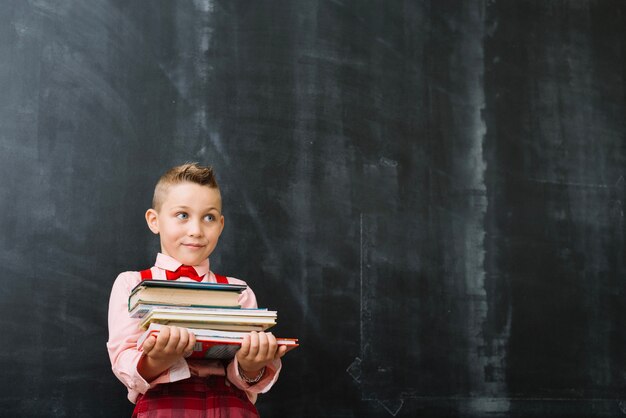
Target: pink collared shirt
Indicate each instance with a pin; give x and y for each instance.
(124, 333)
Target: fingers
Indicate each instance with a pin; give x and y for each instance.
(148, 344)
(165, 337)
(260, 346)
(173, 340)
(263, 346)
(244, 351)
(272, 345)
(183, 340)
(257, 349)
(254, 345)
(191, 342)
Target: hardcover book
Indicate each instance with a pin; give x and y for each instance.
(215, 344)
(207, 318)
(173, 292)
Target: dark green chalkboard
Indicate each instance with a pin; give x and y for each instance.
(430, 193)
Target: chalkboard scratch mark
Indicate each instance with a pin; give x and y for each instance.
(215, 139)
(200, 118)
(354, 370)
(191, 71)
(254, 216)
(412, 395)
(389, 47)
(361, 278)
(205, 6)
(570, 184)
(622, 406)
(387, 162)
(339, 3)
(337, 60)
(53, 11)
(392, 406)
(72, 72)
(272, 258)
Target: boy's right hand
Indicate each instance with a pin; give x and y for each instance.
(164, 349)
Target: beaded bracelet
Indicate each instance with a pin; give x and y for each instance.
(253, 380)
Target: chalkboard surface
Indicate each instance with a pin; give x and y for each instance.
(430, 193)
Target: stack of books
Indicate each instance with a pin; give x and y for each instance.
(210, 310)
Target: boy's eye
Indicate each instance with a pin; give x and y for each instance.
(209, 218)
(182, 215)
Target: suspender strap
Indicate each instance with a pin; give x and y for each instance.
(221, 279)
(147, 275)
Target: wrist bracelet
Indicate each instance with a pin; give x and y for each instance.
(253, 380)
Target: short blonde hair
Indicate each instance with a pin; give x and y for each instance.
(188, 172)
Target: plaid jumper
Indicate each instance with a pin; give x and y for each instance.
(196, 397)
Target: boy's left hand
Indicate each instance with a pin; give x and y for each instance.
(257, 350)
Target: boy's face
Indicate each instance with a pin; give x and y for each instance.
(189, 222)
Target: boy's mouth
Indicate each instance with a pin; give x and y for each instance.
(194, 245)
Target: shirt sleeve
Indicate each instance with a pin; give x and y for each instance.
(272, 370)
(124, 332)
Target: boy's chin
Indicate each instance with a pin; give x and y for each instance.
(189, 259)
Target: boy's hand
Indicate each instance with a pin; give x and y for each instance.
(257, 350)
(163, 350)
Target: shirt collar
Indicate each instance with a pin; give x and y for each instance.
(166, 262)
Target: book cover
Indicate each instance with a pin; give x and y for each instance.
(204, 321)
(171, 292)
(221, 327)
(177, 284)
(143, 309)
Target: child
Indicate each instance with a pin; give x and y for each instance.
(187, 215)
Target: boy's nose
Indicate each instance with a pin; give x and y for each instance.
(194, 229)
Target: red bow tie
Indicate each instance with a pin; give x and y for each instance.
(183, 271)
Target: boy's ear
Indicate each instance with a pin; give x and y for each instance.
(222, 224)
(152, 220)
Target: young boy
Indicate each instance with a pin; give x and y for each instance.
(187, 215)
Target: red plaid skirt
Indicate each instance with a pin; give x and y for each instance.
(196, 397)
